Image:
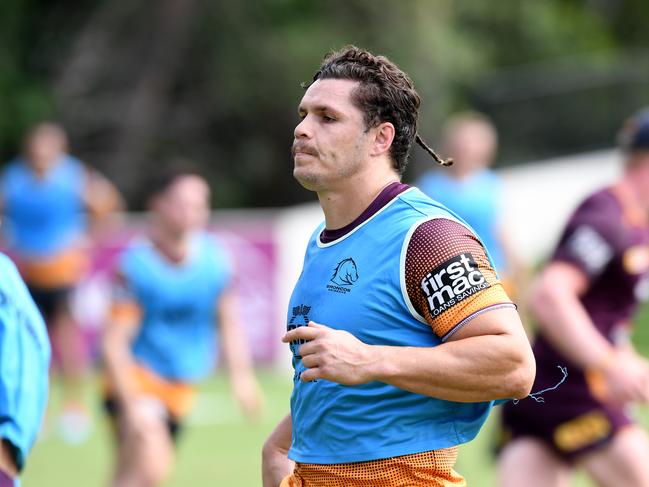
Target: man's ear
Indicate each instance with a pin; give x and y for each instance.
(383, 137)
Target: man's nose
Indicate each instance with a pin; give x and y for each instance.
(303, 129)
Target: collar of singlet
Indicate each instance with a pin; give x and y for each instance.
(388, 193)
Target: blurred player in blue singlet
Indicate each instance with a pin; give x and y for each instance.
(585, 300)
(24, 363)
(474, 191)
(173, 306)
(45, 195)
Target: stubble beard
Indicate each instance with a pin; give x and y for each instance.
(315, 181)
(307, 179)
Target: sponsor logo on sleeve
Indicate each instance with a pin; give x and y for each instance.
(452, 282)
(591, 249)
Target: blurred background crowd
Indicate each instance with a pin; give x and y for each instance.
(534, 90)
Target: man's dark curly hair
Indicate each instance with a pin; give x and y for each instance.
(384, 94)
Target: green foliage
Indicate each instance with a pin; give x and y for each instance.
(218, 82)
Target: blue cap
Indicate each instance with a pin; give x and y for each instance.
(635, 133)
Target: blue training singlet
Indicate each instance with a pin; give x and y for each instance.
(24, 363)
(476, 200)
(357, 284)
(43, 216)
(177, 337)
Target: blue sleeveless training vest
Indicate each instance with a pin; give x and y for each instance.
(43, 215)
(357, 284)
(177, 338)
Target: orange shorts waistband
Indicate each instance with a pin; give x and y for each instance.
(64, 269)
(432, 468)
(177, 397)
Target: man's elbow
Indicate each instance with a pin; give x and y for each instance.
(521, 377)
(546, 297)
(540, 300)
(271, 449)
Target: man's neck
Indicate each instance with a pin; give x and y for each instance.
(174, 247)
(345, 203)
(634, 201)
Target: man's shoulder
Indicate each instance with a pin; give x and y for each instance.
(600, 202)
(602, 213)
(13, 169)
(419, 205)
(135, 252)
(422, 214)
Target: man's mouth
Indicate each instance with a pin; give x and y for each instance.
(301, 149)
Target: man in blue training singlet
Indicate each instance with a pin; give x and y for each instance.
(46, 196)
(173, 305)
(24, 363)
(401, 333)
(473, 190)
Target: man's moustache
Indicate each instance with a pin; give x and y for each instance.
(303, 149)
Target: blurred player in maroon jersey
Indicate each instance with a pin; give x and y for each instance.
(585, 300)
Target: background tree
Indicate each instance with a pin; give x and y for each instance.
(141, 82)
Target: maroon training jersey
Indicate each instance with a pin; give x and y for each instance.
(609, 242)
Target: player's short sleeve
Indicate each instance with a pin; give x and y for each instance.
(448, 276)
(590, 241)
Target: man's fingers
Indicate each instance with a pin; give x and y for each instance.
(308, 348)
(303, 333)
(310, 375)
(310, 361)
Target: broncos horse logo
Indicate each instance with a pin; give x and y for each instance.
(346, 273)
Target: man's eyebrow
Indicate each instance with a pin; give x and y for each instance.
(317, 109)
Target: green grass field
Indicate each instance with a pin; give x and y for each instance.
(219, 448)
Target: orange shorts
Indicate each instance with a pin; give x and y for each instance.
(428, 469)
(62, 270)
(177, 397)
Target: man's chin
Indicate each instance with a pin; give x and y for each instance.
(307, 179)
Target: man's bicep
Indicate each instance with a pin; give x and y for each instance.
(500, 321)
(564, 276)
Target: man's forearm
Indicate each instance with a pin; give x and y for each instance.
(568, 328)
(118, 364)
(275, 462)
(479, 368)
